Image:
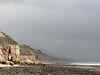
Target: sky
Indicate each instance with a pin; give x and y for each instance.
(60, 28)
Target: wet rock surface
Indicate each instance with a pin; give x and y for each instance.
(47, 70)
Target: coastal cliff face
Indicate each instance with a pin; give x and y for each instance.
(37, 55)
(41, 57)
(10, 50)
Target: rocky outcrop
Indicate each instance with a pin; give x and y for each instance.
(9, 49)
(5, 39)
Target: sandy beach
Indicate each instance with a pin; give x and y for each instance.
(50, 70)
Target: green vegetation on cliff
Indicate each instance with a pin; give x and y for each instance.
(24, 49)
(7, 40)
(39, 55)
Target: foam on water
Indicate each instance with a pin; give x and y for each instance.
(84, 63)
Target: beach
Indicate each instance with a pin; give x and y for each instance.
(50, 70)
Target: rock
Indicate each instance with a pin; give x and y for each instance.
(26, 62)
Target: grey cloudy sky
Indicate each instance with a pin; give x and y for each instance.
(62, 28)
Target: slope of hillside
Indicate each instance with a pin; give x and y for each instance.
(41, 56)
(25, 49)
(5, 39)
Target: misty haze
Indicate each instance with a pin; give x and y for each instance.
(60, 28)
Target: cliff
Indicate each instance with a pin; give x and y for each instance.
(5, 39)
(40, 57)
(11, 50)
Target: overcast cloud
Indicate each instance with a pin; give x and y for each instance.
(62, 28)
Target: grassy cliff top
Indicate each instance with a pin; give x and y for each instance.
(7, 40)
(26, 50)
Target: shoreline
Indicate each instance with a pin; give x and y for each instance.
(49, 70)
